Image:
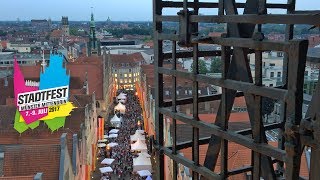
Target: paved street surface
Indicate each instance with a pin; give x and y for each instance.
(122, 166)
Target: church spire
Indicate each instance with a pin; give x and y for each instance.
(94, 44)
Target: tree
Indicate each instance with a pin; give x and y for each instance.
(216, 65)
(202, 67)
(73, 31)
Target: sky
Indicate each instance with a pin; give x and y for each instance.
(117, 10)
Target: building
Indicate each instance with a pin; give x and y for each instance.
(73, 154)
(69, 153)
(40, 25)
(93, 46)
(7, 58)
(126, 70)
(19, 47)
(65, 26)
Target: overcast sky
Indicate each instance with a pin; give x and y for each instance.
(124, 10)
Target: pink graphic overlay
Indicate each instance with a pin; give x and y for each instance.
(29, 116)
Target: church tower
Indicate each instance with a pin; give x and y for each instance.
(93, 46)
(65, 26)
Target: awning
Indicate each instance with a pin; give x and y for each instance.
(105, 169)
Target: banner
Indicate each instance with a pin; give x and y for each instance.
(46, 100)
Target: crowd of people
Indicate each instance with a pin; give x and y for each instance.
(131, 121)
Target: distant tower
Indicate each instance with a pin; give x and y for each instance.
(43, 63)
(50, 23)
(65, 26)
(108, 20)
(93, 46)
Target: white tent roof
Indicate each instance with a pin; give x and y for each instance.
(113, 144)
(140, 131)
(137, 136)
(122, 96)
(113, 136)
(114, 131)
(102, 141)
(120, 107)
(144, 173)
(115, 118)
(141, 161)
(102, 145)
(107, 161)
(105, 169)
(144, 154)
(138, 146)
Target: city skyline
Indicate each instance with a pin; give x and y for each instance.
(117, 10)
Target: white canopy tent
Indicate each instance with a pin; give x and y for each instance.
(144, 154)
(107, 161)
(139, 146)
(144, 173)
(140, 131)
(123, 94)
(113, 136)
(122, 98)
(101, 145)
(149, 178)
(113, 144)
(106, 169)
(116, 121)
(114, 131)
(120, 107)
(141, 163)
(137, 136)
(102, 141)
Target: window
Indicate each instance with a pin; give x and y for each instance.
(272, 64)
(279, 74)
(271, 85)
(167, 93)
(199, 91)
(190, 92)
(130, 75)
(125, 75)
(177, 92)
(121, 81)
(115, 75)
(129, 70)
(129, 80)
(271, 74)
(306, 73)
(127, 64)
(125, 81)
(186, 92)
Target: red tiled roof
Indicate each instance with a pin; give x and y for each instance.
(215, 34)
(24, 160)
(31, 177)
(94, 68)
(56, 33)
(4, 44)
(238, 156)
(234, 117)
(126, 58)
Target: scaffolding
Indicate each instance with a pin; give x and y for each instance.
(244, 35)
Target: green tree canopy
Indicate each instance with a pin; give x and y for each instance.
(202, 67)
(216, 65)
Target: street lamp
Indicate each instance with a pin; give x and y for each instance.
(139, 123)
